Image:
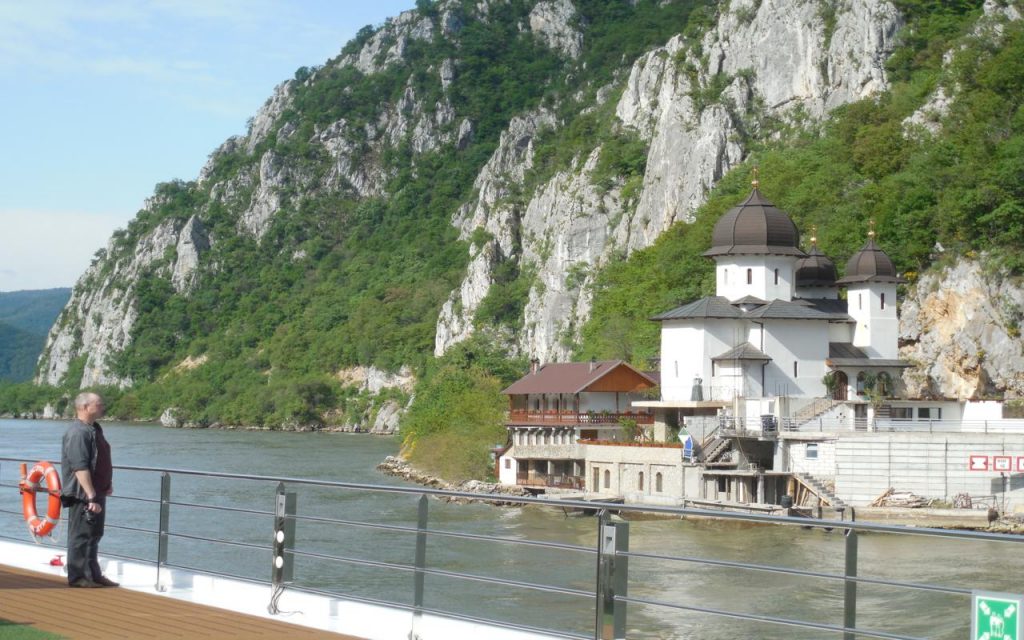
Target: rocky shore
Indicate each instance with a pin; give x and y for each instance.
(395, 466)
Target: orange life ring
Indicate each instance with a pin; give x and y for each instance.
(40, 525)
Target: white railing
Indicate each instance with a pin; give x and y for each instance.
(825, 425)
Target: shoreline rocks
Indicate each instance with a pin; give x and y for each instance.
(399, 468)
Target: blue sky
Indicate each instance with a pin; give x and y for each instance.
(102, 99)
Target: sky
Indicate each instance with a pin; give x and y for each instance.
(100, 100)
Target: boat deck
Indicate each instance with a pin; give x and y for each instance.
(46, 603)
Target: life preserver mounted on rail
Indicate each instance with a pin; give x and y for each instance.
(30, 484)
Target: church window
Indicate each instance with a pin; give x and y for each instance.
(597, 478)
(712, 368)
(725, 275)
(640, 481)
(796, 372)
(776, 276)
(607, 479)
(883, 300)
(657, 482)
(750, 276)
(676, 364)
(860, 301)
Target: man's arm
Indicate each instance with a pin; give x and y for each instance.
(84, 477)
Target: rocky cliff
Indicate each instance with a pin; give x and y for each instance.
(693, 103)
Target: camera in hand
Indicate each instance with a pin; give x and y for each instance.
(90, 517)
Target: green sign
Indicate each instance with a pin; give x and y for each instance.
(996, 616)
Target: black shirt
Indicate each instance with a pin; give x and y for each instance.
(84, 447)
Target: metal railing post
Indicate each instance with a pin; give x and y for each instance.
(850, 586)
(420, 564)
(612, 579)
(282, 568)
(162, 528)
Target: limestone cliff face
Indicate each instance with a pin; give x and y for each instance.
(97, 322)
(961, 327)
(772, 56)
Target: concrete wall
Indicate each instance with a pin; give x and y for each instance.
(624, 465)
(796, 455)
(930, 465)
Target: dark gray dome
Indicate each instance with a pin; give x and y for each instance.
(870, 264)
(816, 270)
(755, 227)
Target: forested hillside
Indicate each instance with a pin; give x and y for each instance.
(25, 317)
(475, 183)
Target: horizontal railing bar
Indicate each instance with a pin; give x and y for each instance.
(753, 617)
(133, 498)
(123, 527)
(13, 513)
(365, 563)
(43, 542)
(438, 612)
(797, 572)
(509, 583)
(450, 534)
(220, 508)
(673, 511)
(126, 557)
(248, 545)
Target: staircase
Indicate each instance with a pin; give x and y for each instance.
(812, 411)
(714, 449)
(818, 488)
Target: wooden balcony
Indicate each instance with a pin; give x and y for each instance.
(553, 417)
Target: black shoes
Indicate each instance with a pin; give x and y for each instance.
(99, 583)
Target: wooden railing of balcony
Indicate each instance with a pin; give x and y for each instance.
(573, 417)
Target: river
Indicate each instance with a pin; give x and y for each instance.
(353, 457)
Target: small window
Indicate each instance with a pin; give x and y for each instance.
(776, 276)
(597, 478)
(607, 479)
(861, 378)
(712, 368)
(860, 301)
(640, 481)
(725, 275)
(902, 413)
(750, 276)
(508, 463)
(883, 300)
(796, 371)
(657, 482)
(676, 364)
(929, 413)
(812, 451)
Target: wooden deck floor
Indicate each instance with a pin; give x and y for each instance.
(47, 603)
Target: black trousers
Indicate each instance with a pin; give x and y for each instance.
(84, 541)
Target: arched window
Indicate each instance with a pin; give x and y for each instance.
(657, 482)
(640, 481)
(750, 276)
(607, 479)
(597, 479)
(861, 378)
(883, 300)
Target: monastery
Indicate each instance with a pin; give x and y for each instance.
(776, 389)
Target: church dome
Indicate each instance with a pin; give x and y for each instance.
(816, 270)
(870, 264)
(755, 227)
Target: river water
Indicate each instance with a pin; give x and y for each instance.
(353, 457)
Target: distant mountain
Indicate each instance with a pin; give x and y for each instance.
(25, 317)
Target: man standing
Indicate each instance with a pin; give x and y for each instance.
(87, 477)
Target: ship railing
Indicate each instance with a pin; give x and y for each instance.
(613, 590)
